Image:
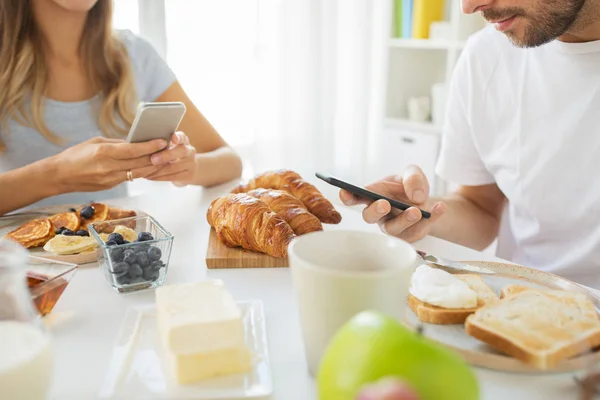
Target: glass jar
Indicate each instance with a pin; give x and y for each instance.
(26, 359)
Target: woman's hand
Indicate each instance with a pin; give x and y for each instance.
(178, 162)
(101, 163)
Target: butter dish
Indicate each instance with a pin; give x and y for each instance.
(138, 366)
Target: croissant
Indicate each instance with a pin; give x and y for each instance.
(293, 183)
(241, 220)
(290, 209)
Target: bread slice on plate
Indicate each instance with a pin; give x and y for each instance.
(431, 314)
(537, 326)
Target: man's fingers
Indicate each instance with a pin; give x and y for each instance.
(348, 198)
(376, 211)
(124, 151)
(402, 222)
(410, 225)
(415, 184)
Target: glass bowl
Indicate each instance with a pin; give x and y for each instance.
(47, 280)
(139, 262)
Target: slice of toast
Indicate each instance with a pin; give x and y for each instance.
(537, 326)
(446, 316)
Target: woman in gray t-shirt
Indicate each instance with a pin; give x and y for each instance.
(69, 88)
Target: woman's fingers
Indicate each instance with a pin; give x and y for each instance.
(172, 154)
(180, 177)
(127, 151)
(176, 167)
(142, 172)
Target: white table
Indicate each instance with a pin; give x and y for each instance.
(86, 320)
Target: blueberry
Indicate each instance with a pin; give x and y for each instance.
(120, 268)
(135, 271)
(144, 237)
(123, 280)
(82, 232)
(143, 259)
(150, 275)
(111, 243)
(126, 242)
(87, 212)
(72, 210)
(116, 237)
(60, 230)
(154, 253)
(129, 257)
(156, 265)
(140, 248)
(68, 232)
(117, 254)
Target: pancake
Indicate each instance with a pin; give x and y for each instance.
(118, 213)
(69, 220)
(33, 233)
(100, 214)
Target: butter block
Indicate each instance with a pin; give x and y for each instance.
(191, 368)
(198, 317)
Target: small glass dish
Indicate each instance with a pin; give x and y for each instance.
(136, 264)
(47, 280)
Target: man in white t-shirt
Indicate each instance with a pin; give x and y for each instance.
(521, 141)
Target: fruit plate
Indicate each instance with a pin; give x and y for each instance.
(137, 368)
(480, 354)
(9, 223)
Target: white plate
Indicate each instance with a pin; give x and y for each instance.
(137, 371)
(478, 353)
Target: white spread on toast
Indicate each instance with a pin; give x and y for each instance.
(440, 288)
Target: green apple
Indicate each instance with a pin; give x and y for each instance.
(372, 346)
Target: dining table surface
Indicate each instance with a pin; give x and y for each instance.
(85, 322)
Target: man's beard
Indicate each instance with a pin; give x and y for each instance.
(551, 19)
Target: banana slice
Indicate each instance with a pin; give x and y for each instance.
(66, 245)
(127, 233)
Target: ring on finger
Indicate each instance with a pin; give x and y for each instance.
(129, 175)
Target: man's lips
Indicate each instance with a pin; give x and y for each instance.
(504, 24)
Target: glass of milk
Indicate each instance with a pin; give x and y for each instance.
(25, 350)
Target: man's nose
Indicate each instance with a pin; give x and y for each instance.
(472, 6)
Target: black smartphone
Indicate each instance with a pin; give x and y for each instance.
(362, 192)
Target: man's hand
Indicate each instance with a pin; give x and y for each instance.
(411, 187)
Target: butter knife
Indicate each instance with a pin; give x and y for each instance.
(453, 266)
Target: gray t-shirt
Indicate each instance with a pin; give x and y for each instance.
(76, 122)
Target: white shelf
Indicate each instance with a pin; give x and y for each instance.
(425, 44)
(402, 123)
(421, 44)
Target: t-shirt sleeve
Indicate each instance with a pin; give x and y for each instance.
(459, 161)
(152, 74)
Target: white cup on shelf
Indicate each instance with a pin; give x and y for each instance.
(419, 109)
(337, 274)
(438, 103)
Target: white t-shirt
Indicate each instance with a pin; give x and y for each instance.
(529, 120)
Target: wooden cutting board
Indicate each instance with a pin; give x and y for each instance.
(220, 256)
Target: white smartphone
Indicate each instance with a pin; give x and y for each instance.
(157, 120)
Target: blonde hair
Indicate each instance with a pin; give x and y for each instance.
(24, 75)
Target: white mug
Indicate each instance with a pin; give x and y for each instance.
(337, 274)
